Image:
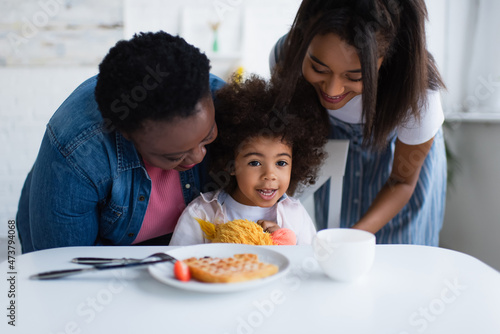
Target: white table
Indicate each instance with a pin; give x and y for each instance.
(410, 289)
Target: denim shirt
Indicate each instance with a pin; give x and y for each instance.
(88, 185)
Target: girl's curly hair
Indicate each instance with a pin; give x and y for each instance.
(247, 109)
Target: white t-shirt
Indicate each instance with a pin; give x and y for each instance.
(414, 132)
(236, 210)
(213, 207)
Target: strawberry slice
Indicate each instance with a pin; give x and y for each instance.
(181, 271)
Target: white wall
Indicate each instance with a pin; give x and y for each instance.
(58, 32)
(248, 28)
(472, 219)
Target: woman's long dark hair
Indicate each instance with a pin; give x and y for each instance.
(391, 29)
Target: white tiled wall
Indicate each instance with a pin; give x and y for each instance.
(58, 32)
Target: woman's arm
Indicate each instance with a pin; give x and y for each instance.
(62, 206)
(408, 160)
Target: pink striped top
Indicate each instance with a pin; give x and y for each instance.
(165, 205)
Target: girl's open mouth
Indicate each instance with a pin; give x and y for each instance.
(267, 194)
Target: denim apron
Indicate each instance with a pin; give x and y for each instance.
(420, 221)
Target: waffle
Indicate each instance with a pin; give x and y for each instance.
(239, 268)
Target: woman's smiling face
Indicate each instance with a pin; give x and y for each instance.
(333, 68)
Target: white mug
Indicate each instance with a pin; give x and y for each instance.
(344, 254)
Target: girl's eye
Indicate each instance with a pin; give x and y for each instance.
(355, 80)
(282, 163)
(254, 163)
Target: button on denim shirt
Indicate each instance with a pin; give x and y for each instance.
(88, 185)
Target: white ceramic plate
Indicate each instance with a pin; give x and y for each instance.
(163, 272)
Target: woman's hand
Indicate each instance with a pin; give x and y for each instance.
(268, 226)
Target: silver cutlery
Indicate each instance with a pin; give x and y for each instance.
(67, 272)
(105, 260)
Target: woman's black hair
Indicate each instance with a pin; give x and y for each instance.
(391, 29)
(247, 109)
(153, 76)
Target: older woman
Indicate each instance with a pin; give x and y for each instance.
(120, 157)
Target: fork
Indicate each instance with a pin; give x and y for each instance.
(104, 260)
(67, 272)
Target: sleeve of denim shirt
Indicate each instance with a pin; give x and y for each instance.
(216, 83)
(63, 206)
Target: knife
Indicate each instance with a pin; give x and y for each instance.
(67, 272)
(103, 260)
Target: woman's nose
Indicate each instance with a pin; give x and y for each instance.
(334, 86)
(197, 155)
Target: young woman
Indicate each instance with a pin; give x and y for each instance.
(369, 67)
(119, 159)
(263, 154)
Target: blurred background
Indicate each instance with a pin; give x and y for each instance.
(48, 47)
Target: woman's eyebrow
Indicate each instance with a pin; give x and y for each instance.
(316, 60)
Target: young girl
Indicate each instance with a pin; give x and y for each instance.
(264, 154)
(368, 64)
